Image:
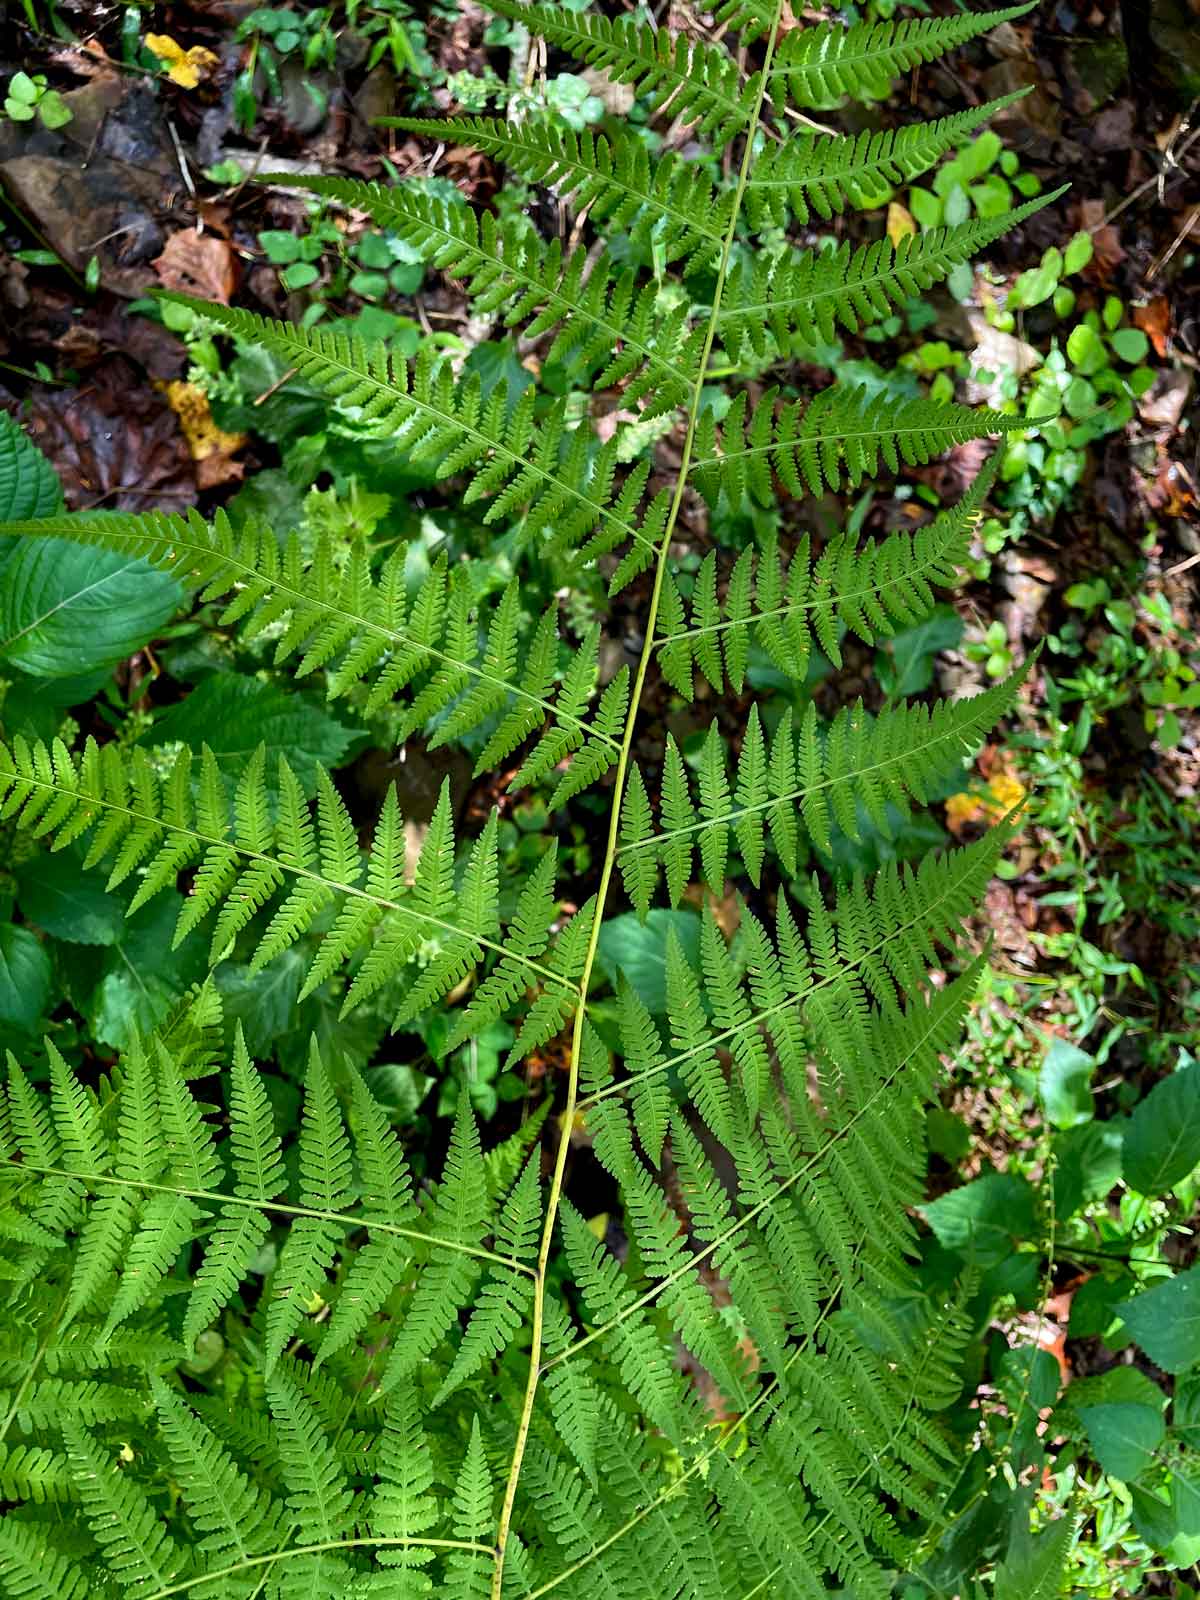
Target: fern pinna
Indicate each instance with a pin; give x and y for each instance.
(459, 1387)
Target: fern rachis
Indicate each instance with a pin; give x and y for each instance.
(737, 1407)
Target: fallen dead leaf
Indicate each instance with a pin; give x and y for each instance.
(115, 442)
(989, 805)
(901, 223)
(1155, 322)
(211, 448)
(1162, 406)
(1108, 252)
(198, 264)
(184, 67)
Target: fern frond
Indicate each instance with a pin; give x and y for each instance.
(815, 66)
(138, 1551)
(872, 591)
(840, 436)
(455, 1384)
(856, 769)
(365, 629)
(701, 81)
(816, 173)
(240, 868)
(31, 1567)
(613, 175)
(539, 465)
(803, 295)
(596, 309)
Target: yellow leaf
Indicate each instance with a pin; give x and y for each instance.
(1004, 790)
(900, 223)
(204, 438)
(184, 67)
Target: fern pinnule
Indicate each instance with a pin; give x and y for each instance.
(828, 174)
(816, 65)
(777, 304)
(838, 437)
(858, 774)
(872, 590)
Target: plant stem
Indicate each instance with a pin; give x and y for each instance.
(554, 1198)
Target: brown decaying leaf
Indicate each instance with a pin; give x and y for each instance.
(1154, 320)
(114, 442)
(199, 264)
(212, 449)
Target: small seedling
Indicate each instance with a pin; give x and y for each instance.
(29, 97)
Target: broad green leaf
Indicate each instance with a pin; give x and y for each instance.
(639, 951)
(1065, 1084)
(1131, 344)
(1094, 1306)
(1029, 1378)
(983, 1219)
(66, 608)
(1078, 253)
(948, 1135)
(495, 363)
(1162, 1139)
(1165, 1321)
(1124, 1437)
(1087, 1162)
(142, 975)
(29, 486)
(905, 667)
(1033, 1570)
(263, 1002)
(55, 892)
(24, 977)
(234, 715)
(1185, 1409)
(35, 707)
(1085, 349)
(1170, 1526)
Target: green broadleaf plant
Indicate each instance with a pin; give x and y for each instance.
(458, 1388)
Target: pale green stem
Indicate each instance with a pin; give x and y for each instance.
(610, 854)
